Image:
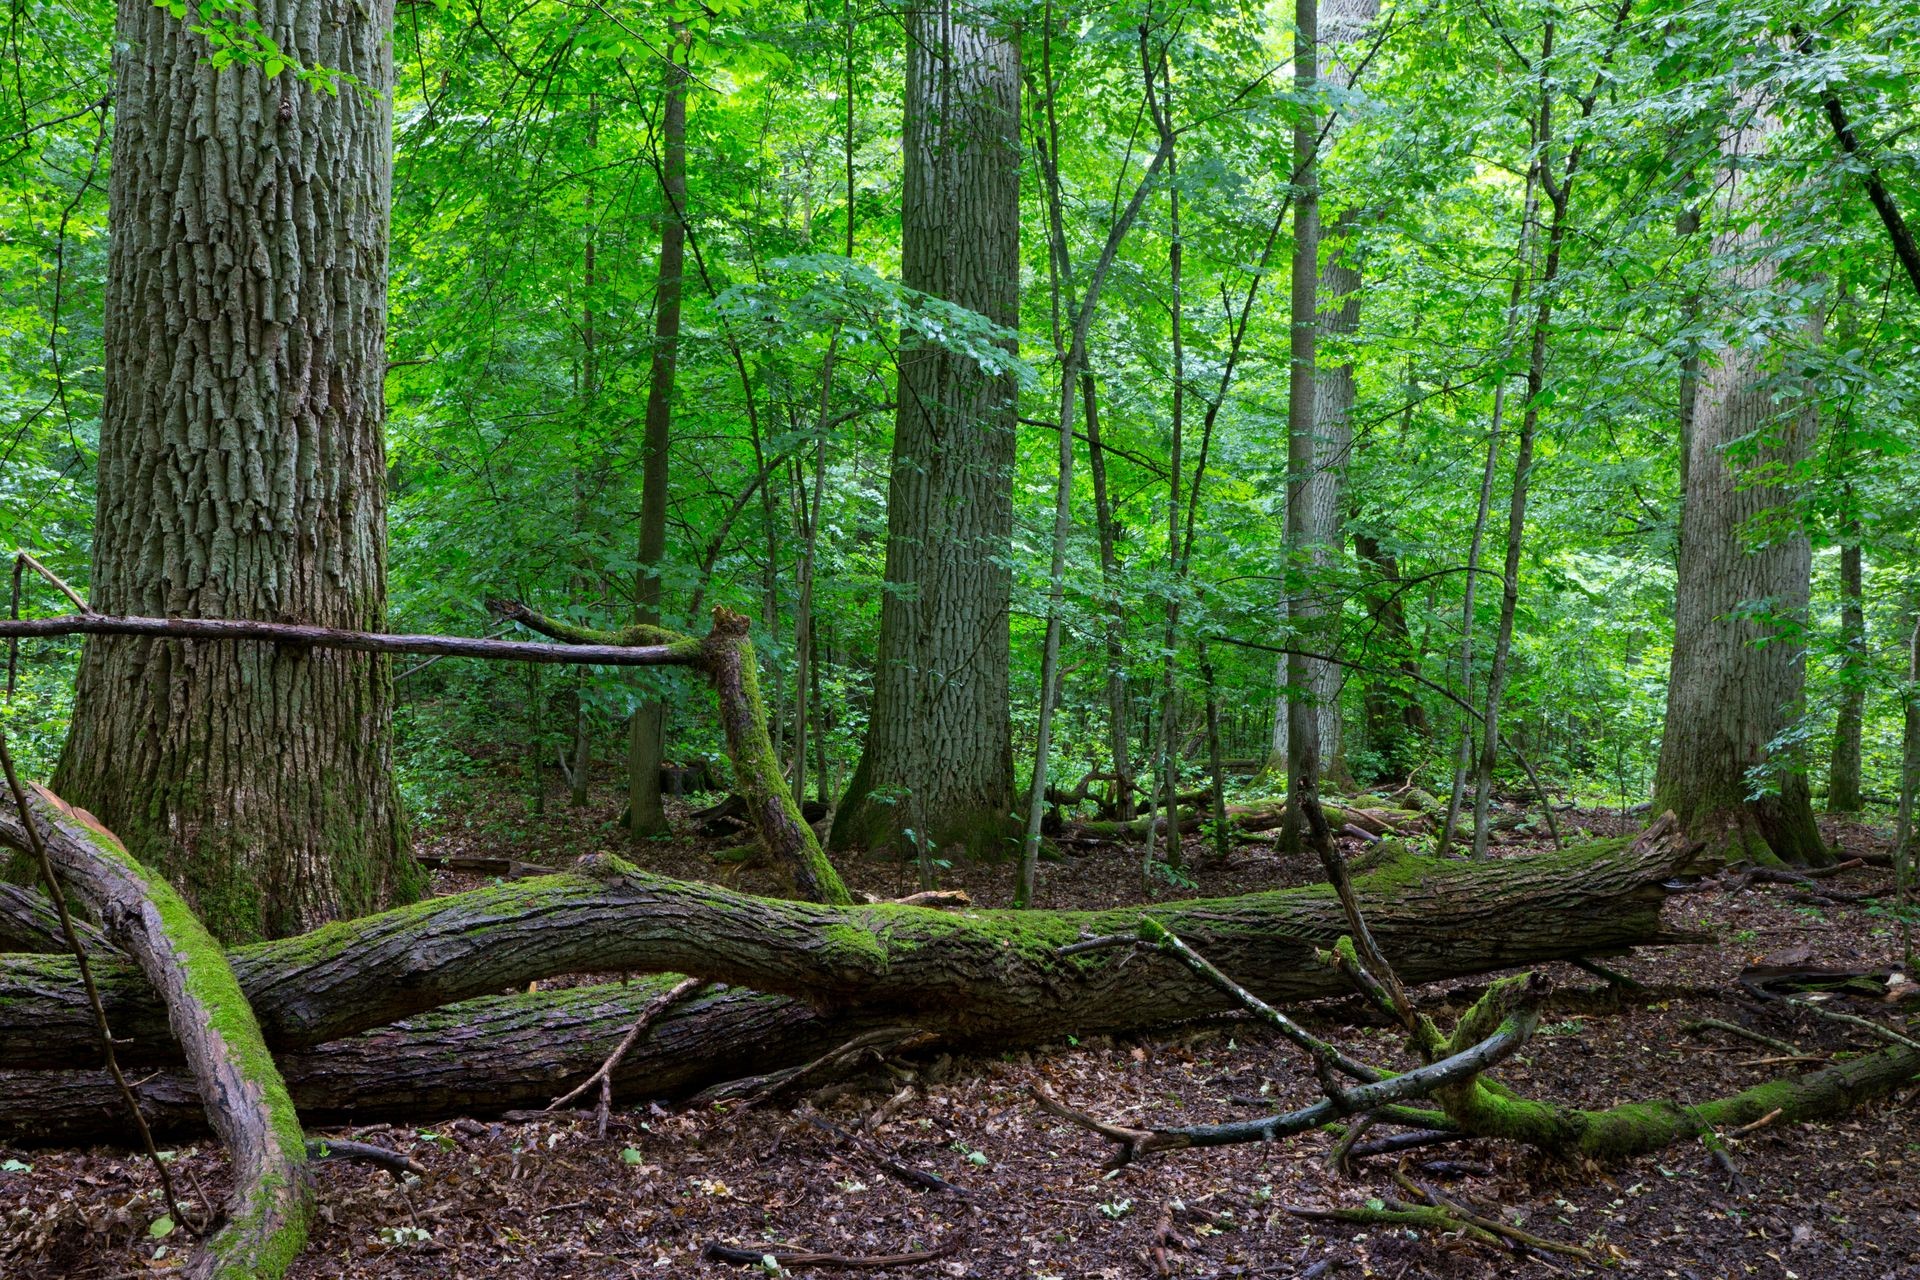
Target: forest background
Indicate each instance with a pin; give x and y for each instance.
(532, 162)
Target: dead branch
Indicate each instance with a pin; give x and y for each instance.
(756, 1255)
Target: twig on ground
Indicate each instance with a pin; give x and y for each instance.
(1323, 1053)
(394, 1162)
(1612, 977)
(1492, 1226)
(756, 1256)
(1745, 1033)
(906, 1173)
(1865, 1024)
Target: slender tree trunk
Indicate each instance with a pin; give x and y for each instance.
(1737, 681)
(1306, 825)
(580, 772)
(1909, 776)
(1558, 196)
(647, 729)
(1393, 714)
(1463, 758)
(242, 474)
(1342, 22)
(938, 736)
(809, 512)
(1843, 771)
(1116, 608)
(1166, 775)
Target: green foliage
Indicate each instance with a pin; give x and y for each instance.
(525, 236)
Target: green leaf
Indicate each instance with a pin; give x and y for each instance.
(161, 1228)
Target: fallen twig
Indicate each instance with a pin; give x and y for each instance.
(394, 1162)
(756, 1256)
(604, 1075)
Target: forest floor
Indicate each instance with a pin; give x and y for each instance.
(546, 1198)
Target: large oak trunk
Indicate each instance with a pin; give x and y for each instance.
(1737, 679)
(938, 758)
(242, 474)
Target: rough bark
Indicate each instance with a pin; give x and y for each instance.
(245, 1099)
(938, 757)
(242, 473)
(1736, 679)
(989, 976)
(647, 728)
(1341, 23)
(478, 1058)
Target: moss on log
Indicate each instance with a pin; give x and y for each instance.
(978, 975)
(245, 1099)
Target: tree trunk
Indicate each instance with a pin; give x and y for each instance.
(243, 475)
(1309, 511)
(1116, 607)
(646, 730)
(938, 757)
(1559, 196)
(987, 976)
(1736, 680)
(1395, 719)
(1843, 771)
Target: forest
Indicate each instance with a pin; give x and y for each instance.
(978, 638)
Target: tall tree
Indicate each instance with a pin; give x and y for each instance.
(1307, 520)
(1737, 679)
(938, 758)
(1337, 302)
(242, 473)
(645, 815)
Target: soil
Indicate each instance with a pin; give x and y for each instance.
(1027, 1196)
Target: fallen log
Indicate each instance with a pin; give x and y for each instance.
(479, 1058)
(246, 1101)
(981, 976)
(1264, 817)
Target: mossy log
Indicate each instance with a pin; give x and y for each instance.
(245, 1099)
(978, 975)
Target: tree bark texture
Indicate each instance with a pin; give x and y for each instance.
(938, 756)
(985, 976)
(1311, 517)
(242, 474)
(1323, 491)
(646, 730)
(1737, 680)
